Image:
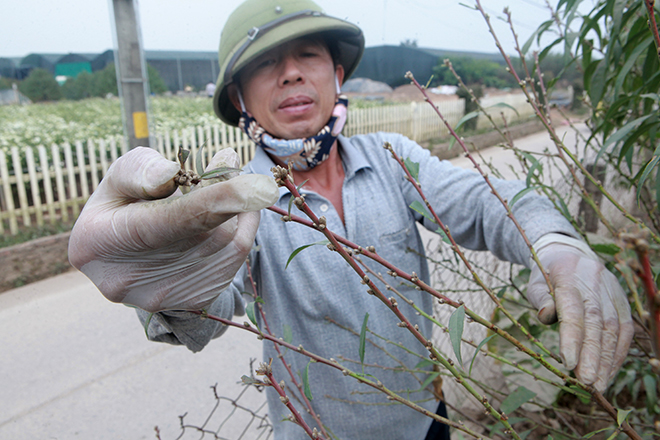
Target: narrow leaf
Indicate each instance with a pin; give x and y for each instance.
(218, 172)
(421, 208)
(516, 399)
(466, 118)
(288, 335)
(302, 248)
(146, 324)
(305, 379)
(476, 353)
(621, 415)
(607, 249)
(442, 234)
(247, 380)
(182, 155)
(521, 194)
(620, 134)
(591, 434)
(456, 322)
(363, 338)
(647, 170)
(430, 378)
(505, 105)
(199, 160)
(249, 310)
(412, 167)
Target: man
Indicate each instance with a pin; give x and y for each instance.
(281, 64)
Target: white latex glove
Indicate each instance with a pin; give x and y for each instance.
(595, 327)
(143, 248)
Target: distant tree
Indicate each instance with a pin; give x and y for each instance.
(156, 83)
(473, 71)
(4, 83)
(105, 81)
(79, 87)
(40, 86)
(408, 43)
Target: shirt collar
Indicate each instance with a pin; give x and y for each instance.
(352, 158)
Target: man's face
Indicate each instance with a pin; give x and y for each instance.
(290, 90)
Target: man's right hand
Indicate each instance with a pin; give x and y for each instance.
(142, 247)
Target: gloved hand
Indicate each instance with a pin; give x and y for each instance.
(143, 248)
(596, 327)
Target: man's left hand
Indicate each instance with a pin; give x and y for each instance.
(596, 327)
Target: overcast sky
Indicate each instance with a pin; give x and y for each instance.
(83, 26)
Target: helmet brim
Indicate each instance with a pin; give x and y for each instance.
(347, 36)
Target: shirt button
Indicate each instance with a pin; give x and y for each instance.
(324, 207)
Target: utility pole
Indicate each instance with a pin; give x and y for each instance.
(132, 79)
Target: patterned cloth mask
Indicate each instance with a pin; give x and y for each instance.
(305, 153)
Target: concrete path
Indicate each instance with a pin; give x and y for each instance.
(73, 365)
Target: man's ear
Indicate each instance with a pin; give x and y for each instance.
(232, 91)
(339, 71)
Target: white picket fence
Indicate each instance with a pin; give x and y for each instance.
(43, 184)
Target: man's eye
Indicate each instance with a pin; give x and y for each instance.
(265, 63)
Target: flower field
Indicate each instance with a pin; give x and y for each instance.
(95, 118)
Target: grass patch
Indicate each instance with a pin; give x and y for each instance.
(33, 232)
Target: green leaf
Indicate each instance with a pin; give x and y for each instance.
(302, 248)
(456, 322)
(363, 339)
(247, 380)
(182, 155)
(620, 134)
(476, 353)
(591, 434)
(505, 105)
(412, 167)
(199, 160)
(287, 336)
(516, 399)
(430, 378)
(521, 194)
(424, 363)
(651, 393)
(621, 415)
(249, 310)
(607, 249)
(581, 394)
(421, 208)
(647, 170)
(218, 172)
(442, 234)
(146, 324)
(536, 165)
(305, 379)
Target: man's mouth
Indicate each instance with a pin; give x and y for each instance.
(295, 101)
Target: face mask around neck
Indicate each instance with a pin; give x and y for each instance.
(304, 153)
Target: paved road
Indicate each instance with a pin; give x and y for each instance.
(73, 365)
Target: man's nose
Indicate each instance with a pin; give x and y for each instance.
(291, 72)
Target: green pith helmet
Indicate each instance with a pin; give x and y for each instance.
(257, 26)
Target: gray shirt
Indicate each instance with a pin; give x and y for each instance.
(318, 286)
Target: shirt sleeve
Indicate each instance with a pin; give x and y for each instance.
(476, 218)
(190, 329)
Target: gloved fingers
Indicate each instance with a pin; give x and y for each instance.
(626, 327)
(609, 339)
(140, 174)
(570, 311)
(538, 295)
(226, 157)
(159, 223)
(237, 232)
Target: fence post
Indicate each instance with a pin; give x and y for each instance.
(9, 198)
